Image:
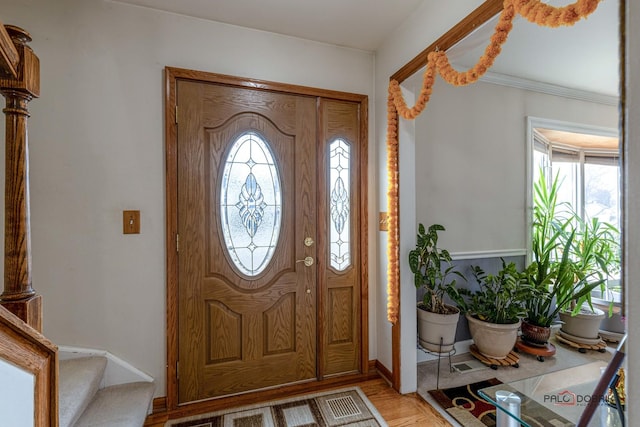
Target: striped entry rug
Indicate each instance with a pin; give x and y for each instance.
(343, 407)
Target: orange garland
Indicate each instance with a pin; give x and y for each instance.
(534, 11)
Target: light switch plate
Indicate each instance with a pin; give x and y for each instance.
(383, 223)
(131, 222)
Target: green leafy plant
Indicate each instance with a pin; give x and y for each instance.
(433, 270)
(500, 297)
(556, 289)
(571, 257)
(596, 250)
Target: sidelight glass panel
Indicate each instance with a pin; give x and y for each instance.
(250, 203)
(340, 202)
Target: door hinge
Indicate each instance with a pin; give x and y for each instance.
(176, 114)
(177, 243)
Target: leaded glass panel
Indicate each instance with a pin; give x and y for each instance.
(340, 202)
(250, 203)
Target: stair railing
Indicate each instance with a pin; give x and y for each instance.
(19, 84)
(27, 359)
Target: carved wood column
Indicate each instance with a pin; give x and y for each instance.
(19, 297)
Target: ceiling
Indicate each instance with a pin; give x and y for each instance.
(580, 140)
(359, 24)
(583, 57)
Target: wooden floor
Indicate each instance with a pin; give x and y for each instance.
(401, 409)
(396, 409)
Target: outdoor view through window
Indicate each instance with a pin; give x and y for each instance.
(588, 172)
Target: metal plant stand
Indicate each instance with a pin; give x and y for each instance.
(440, 354)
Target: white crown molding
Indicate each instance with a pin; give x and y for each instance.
(547, 88)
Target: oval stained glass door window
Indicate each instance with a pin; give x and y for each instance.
(250, 203)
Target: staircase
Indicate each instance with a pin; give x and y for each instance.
(83, 403)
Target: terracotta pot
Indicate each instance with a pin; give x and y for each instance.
(432, 327)
(535, 334)
(493, 340)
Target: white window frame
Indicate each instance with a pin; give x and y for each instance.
(537, 122)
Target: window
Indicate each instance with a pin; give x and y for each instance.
(588, 170)
(250, 203)
(340, 201)
(589, 178)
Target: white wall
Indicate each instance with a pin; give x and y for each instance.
(97, 148)
(430, 21)
(471, 160)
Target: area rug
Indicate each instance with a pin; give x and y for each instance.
(344, 407)
(469, 409)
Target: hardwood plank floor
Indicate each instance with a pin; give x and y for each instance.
(397, 409)
(401, 409)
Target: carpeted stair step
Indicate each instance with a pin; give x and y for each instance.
(123, 405)
(79, 380)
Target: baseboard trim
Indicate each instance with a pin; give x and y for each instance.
(384, 372)
(159, 404)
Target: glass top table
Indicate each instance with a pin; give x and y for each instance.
(554, 399)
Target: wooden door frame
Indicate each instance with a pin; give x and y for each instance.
(172, 76)
(462, 29)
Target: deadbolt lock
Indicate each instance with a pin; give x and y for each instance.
(308, 241)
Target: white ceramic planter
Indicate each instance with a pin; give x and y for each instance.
(582, 325)
(432, 327)
(615, 323)
(492, 339)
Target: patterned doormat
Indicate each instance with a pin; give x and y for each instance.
(469, 409)
(344, 407)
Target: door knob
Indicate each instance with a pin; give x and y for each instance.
(308, 261)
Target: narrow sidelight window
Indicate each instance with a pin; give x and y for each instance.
(340, 202)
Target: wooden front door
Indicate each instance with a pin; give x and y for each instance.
(246, 204)
(268, 211)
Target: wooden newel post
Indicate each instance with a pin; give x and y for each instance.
(19, 296)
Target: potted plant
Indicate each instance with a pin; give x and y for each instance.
(494, 311)
(614, 327)
(555, 287)
(565, 266)
(433, 273)
(595, 252)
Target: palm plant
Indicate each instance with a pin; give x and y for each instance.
(570, 257)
